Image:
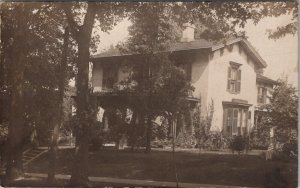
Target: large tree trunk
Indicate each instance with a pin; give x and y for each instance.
(16, 122)
(55, 133)
(80, 166)
(149, 133)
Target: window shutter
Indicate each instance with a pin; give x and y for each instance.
(264, 94)
(229, 121)
(235, 122)
(245, 118)
(258, 94)
(224, 120)
(238, 87)
(104, 78)
(189, 71)
(228, 78)
(115, 75)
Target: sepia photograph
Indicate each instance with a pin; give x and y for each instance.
(134, 94)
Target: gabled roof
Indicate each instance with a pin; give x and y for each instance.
(263, 79)
(196, 45)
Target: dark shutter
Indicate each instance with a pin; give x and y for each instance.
(264, 95)
(235, 122)
(229, 121)
(238, 82)
(189, 71)
(104, 78)
(229, 78)
(258, 94)
(115, 75)
(224, 120)
(245, 118)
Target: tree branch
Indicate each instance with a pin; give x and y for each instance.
(74, 27)
(88, 22)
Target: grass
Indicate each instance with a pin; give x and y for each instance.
(244, 170)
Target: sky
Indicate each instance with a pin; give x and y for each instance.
(281, 55)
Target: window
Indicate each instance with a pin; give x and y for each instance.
(234, 79)
(262, 95)
(110, 77)
(235, 121)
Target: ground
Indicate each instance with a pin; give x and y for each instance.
(243, 170)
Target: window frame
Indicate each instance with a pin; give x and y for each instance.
(262, 93)
(235, 120)
(109, 72)
(234, 78)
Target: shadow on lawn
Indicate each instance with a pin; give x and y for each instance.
(243, 170)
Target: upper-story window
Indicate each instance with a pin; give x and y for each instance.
(234, 78)
(262, 95)
(110, 77)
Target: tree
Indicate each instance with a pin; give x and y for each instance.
(81, 26)
(16, 119)
(42, 52)
(151, 33)
(282, 112)
(61, 94)
(218, 21)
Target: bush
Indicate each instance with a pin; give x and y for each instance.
(238, 144)
(291, 149)
(259, 139)
(185, 139)
(288, 152)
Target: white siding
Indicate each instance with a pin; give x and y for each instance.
(199, 79)
(217, 82)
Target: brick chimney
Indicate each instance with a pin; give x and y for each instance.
(188, 33)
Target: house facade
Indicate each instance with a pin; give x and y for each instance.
(226, 76)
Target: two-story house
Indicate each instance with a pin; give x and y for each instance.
(226, 74)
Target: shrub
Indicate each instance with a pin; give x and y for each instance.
(259, 139)
(238, 144)
(185, 139)
(288, 152)
(291, 149)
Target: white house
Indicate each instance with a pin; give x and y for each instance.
(227, 74)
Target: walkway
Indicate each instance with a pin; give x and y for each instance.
(134, 182)
(224, 152)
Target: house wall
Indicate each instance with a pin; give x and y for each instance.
(217, 82)
(199, 79)
(97, 75)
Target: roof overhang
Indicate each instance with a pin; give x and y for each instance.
(237, 103)
(247, 47)
(265, 80)
(250, 50)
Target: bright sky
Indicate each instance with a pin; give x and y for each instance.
(281, 55)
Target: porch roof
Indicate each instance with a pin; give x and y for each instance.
(264, 79)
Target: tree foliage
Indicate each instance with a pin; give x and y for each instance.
(282, 112)
(216, 20)
(82, 17)
(41, 74)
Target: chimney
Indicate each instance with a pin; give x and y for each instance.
(188, 33)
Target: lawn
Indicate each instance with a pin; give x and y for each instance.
(243, 170)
